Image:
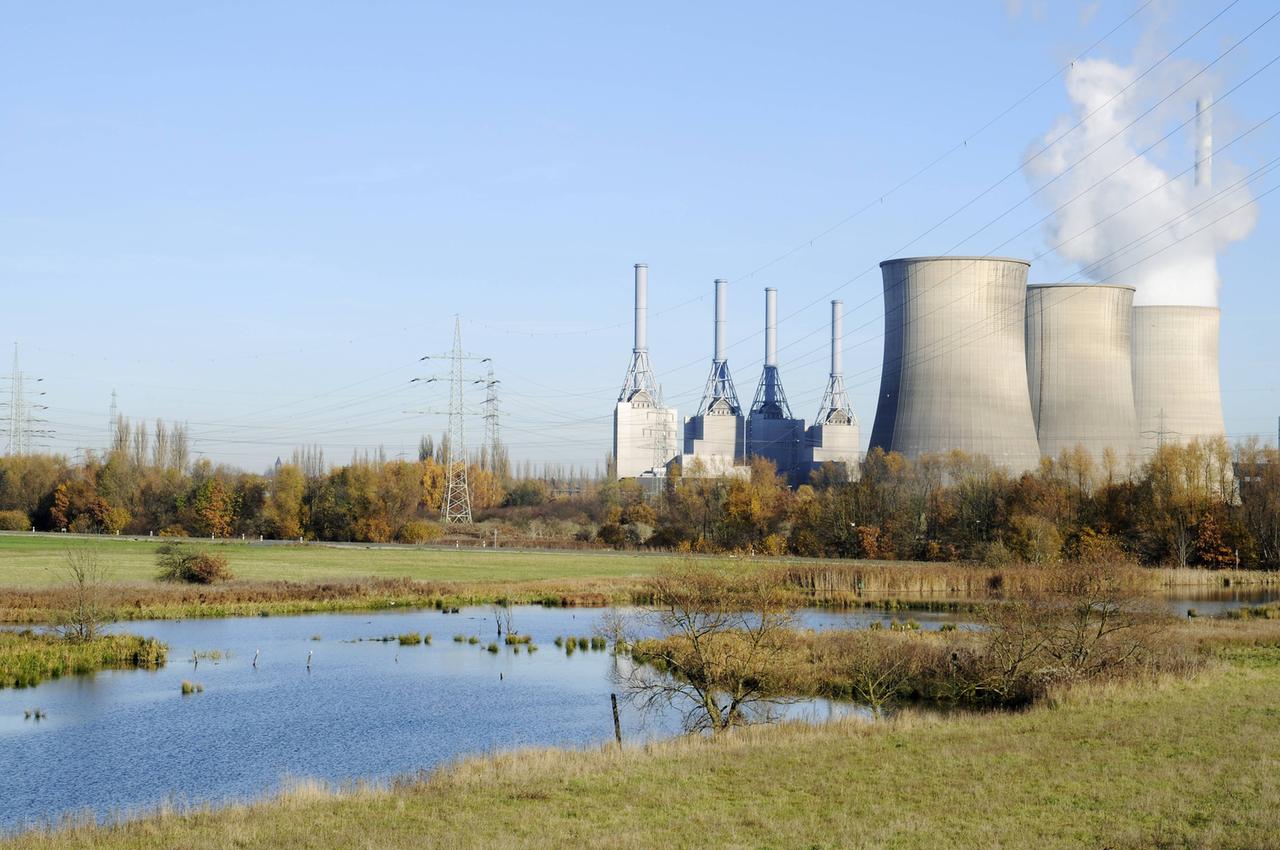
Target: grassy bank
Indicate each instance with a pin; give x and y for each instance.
(34, 561)
(29, 658)
(1177, 764)
(316, 578)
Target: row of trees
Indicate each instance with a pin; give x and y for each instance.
(1200, 504)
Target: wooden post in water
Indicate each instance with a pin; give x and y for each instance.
(617, 725)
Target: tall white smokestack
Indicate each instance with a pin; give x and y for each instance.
(1204, 141)
(770, 326)
(837, 326)
(642, 306)
(722, 301)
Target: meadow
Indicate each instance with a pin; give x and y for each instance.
(315, 577)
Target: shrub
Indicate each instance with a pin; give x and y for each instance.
(419, 531)
(473, 640)
(410, 639)
(189, 688)
(515, 640)
(179, 563)
(459, 638)
(492, 647)
(14, 521)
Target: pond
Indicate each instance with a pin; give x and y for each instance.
(121, 742)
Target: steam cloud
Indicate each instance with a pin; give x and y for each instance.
(1111, 243)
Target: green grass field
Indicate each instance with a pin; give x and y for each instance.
(1183, 764)
(35, 561)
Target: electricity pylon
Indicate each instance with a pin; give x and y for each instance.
(456, 508)
(19, 429)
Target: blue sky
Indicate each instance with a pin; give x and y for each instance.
(257, 217)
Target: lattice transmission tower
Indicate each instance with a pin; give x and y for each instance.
(22, 430)
(492, 436)
(456, 508)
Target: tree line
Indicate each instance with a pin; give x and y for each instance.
(1203, 504)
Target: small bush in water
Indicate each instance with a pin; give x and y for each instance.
(473, 640)
(493, 647)
(513, 640)
(410, 639)
(459, 638)
(189, 688)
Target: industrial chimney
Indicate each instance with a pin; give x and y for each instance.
(644, 432)
(714, 438)
(1204, 142)
(834, 435)
(772, 432)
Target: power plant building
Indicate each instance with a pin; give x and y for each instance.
(834, 435)
(644, 431)
(715, 438)
(1175, 374)
(1079, 341)
(772, 432)
(955, 369)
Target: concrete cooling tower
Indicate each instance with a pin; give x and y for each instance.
(1079, 368)
(955, 369)
(1175, 374)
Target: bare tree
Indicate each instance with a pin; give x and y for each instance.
(720, 639)
(86, 614)
(1091, 621)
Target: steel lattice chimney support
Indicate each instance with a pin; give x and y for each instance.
(770, 326)
(1204, 141)
(642, 307)
(837, 331)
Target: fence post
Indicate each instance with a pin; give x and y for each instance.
(617, 725)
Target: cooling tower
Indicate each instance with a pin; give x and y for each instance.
(772, 432)
(644, 432)
(1175, 374)
(1079, 368)
(955, 370)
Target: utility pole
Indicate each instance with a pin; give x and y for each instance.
(457, 497)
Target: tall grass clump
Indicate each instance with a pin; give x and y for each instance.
(28, 658)
(410, 639)
(189, 688)
(514, 640)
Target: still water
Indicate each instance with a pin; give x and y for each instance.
(119, 742)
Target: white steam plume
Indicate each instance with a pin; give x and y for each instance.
(1108, 229)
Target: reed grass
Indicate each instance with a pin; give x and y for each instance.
(410, 639)
(28, 658)
(318, 578)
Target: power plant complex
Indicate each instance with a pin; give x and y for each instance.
(975, 360)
